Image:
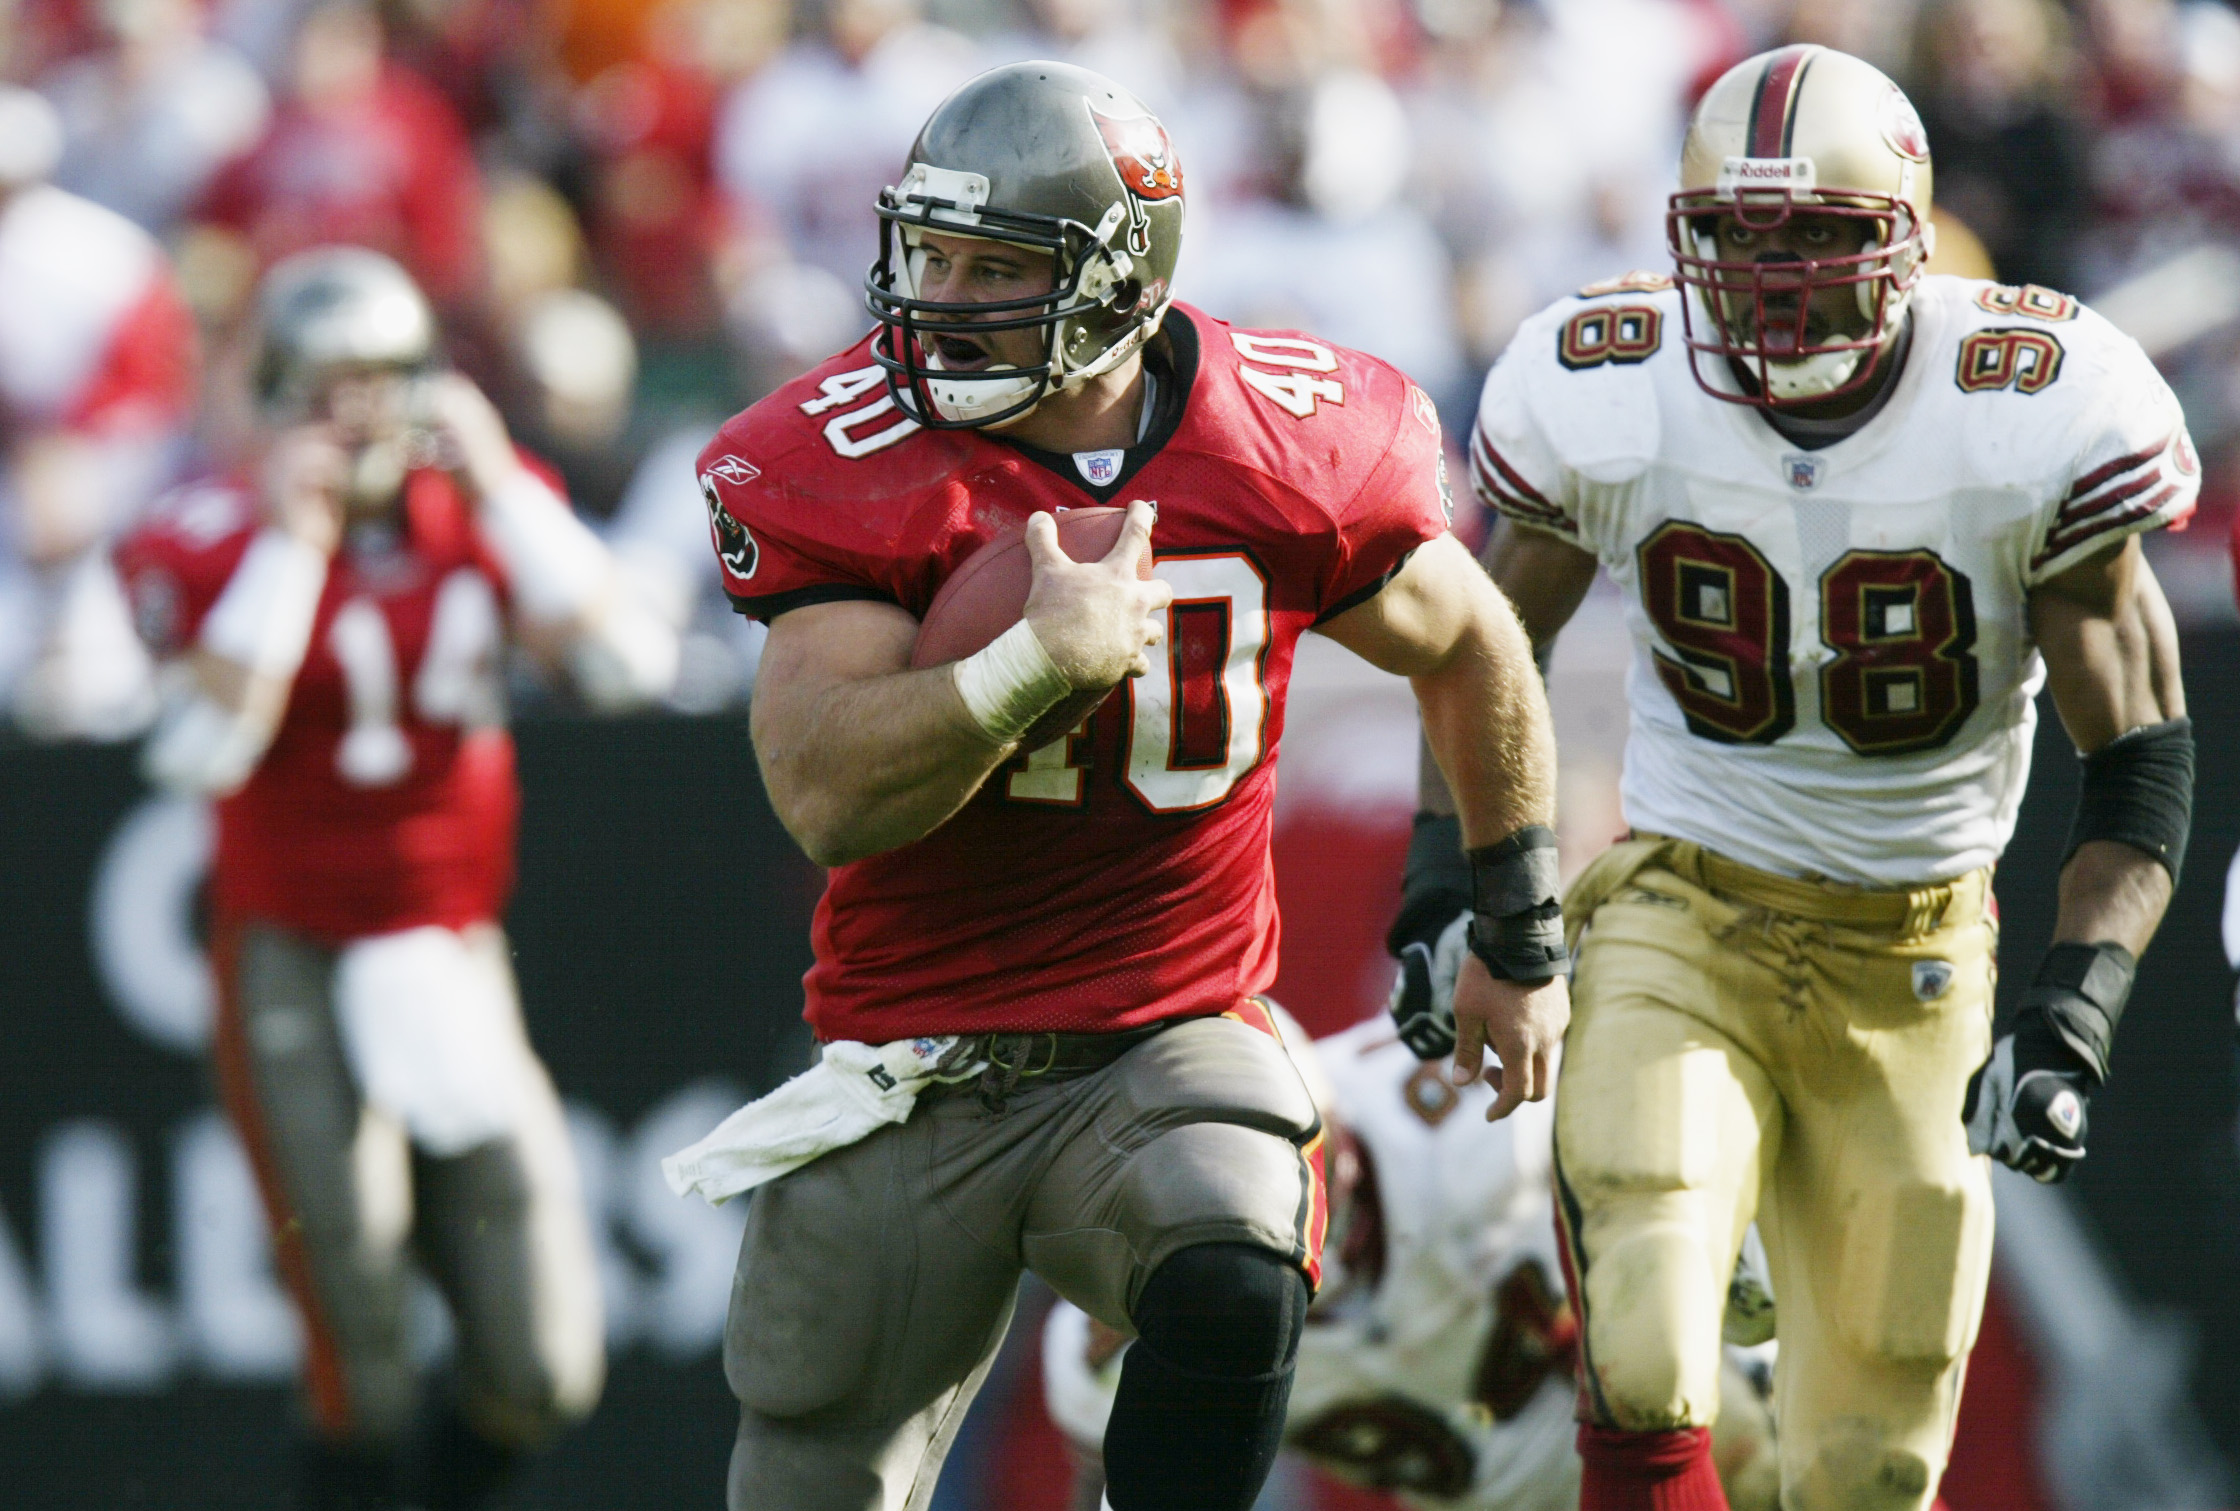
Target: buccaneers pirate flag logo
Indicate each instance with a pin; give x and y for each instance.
(1148, 168)
(735, 545)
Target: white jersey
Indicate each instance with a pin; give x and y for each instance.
(1833, 672)
(1440, 1347)
(1411, 1372)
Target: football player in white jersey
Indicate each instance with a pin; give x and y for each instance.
(1438, 1359)
(1860, 515)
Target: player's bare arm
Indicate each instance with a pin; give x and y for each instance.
(1545, 578)
(1441, 624)
(2110, 648)
(861, 754)
(2111, 656)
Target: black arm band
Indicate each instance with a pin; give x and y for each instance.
(1436, 884)
(1517, 907)
(2079, 993)
(2138, 791)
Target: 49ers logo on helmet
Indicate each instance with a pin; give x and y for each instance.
(1901, 127)
(1142, 153)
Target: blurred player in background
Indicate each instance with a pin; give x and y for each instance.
(1860, 515)
(97, 384)
(1439, 1359)
(1080, 928)
(335, 626)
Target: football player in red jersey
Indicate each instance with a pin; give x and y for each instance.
(1076, 933)
(337, 622)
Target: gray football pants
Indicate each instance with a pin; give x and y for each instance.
(499, 1228)
(876, 1283)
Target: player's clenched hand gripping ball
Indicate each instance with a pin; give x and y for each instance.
(1043, 623)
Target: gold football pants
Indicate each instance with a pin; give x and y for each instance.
(1744, 1044)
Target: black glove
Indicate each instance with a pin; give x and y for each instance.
(1497, 902)
(1422, 1004)
(2026, 1104)
(1435, 886)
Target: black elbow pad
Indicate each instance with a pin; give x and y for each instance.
(2138, 791)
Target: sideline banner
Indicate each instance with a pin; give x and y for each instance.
(146, 1353)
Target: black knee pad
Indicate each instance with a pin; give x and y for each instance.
(1230, 1310)
(1199, 1413)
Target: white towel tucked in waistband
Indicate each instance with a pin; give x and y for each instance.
(849, 1094)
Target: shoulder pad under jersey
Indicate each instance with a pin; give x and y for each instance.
(1590, 369)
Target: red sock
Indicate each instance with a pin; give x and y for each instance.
(1648, 1471)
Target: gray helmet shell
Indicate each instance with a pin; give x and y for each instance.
(1043, 155)
(336, 307)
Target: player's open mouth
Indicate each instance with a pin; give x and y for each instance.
(1776, 329)
(958, 353)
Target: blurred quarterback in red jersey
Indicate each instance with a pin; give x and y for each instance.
(335, 622)
(1037, 970)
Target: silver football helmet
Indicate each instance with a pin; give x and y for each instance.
(334, 309)
(1039, 155)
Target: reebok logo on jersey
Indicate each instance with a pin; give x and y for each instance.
(1099, 467)
(1426, 412)
(734, 469)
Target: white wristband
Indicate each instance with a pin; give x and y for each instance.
(1009, 683)
(557, 566)
(263, 618)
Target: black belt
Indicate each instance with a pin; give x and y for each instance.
(1013, 1057)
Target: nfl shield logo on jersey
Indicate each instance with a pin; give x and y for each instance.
(1803, 471)
(1930, 978)
(1099, 467)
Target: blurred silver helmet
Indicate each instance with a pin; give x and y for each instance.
(333, 309)
(1040, 155)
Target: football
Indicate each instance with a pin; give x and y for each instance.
(986, 596)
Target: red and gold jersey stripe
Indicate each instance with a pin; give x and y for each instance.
(1502, 487)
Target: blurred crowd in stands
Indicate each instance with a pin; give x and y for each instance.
(638, 215)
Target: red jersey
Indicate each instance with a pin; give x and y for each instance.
(387, 798)
(1120, 876)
